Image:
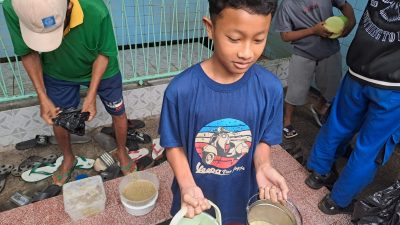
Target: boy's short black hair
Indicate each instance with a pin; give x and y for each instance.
(260, 7)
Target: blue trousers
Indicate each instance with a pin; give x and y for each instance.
(372, 112)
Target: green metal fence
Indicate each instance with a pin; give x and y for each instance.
(156, 39)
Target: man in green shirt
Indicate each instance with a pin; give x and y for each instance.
(64, 44)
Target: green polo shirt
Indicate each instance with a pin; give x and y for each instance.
(73, 60)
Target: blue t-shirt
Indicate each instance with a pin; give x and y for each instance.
(219, 126)
(295, 15)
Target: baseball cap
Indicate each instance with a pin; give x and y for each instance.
(41, 22)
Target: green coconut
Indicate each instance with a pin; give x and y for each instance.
(335, 24)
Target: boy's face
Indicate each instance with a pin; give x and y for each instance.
(239, 39)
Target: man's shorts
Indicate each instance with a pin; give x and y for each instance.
(302, 71)
(65, 94)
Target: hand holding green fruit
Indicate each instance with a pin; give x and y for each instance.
(320, 30)
(336, 25)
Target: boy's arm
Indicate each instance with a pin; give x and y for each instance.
(33, 67)
(98, 69)
(191, 195)
(348, 11)
(271, 184)
(317, 29)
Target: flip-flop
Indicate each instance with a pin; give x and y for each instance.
(132, 125)
(138, 154)
(50, 191)
(139, 137)
(157, 149)
(63, 178)
(5, 170)
(38, 141)
(75, 139)
(40, 171)
(111, 172)
(132, 134)
(30, 162)
(82, 162)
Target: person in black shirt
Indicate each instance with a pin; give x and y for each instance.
(368, 102)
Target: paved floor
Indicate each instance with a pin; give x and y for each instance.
(303, 122)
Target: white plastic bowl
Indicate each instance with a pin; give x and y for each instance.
(140, 210)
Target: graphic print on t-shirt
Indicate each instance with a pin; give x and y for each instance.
(222, 143)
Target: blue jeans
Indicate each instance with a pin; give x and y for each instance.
(372, 112)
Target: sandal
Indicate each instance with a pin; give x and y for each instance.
(30, 162)
(132, 134)
(132, 125)
(50, 191)
(111, 172)
(289, 132)
(38, 141)
(320, 119)
(75, 139)
(139, 136)
(157, 149)
(103, 162)
(5, 170)
(60, 178)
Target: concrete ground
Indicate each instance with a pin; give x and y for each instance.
(303, 121)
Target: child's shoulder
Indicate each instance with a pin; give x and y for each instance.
(185, 80)
(266, 76)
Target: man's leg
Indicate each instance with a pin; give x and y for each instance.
(110, 92)
(289, 109)
(301, 72)
(65, 95)
(64, 144)
(375, 144)
(347, 113)
(120, 124)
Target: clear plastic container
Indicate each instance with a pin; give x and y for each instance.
(84, 198)
(143, 206)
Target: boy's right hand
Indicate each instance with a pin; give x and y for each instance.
(321, 31)
(193, 199)
(47, 110)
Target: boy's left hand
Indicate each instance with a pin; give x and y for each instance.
(271, 184)
(89, 105)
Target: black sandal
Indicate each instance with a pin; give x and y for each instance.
(51, 191)
(38, 141)
(289, 132)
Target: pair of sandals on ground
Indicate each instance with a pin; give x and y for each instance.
(290, 132)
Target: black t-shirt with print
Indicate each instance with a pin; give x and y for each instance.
(375, 50)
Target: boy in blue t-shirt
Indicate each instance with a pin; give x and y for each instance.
(220, 117)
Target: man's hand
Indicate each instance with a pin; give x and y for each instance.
(89, 105)
(193, 199)
(321, 31)
(47, 110)
(271, 184)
